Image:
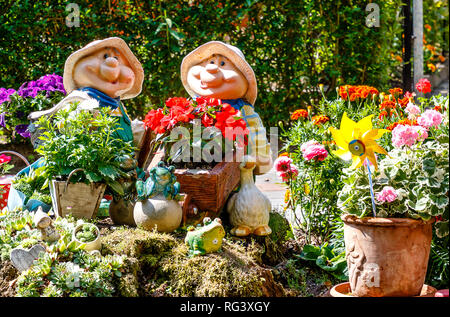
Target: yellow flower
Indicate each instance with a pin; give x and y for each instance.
(306, 188)
(287, 195)
(356, 141)
(432, 67)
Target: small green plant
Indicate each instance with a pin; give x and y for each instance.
(87, 233)
(327, 258)
(33, 185)
(84, 141)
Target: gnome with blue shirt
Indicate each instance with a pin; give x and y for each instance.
(102, 74)
(219, 70)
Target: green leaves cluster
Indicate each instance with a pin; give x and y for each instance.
(87, 233)
(33, 185)
(292, 45)
(73, 140)
(327, 258)
(419, 174)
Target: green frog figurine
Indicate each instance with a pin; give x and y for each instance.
(205, 239)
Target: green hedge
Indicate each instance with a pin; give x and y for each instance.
(292, 45)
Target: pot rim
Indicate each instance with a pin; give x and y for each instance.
(384, 222)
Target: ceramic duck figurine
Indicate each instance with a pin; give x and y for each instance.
(249, 209)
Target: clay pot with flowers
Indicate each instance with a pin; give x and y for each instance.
(390, 205)
(201, 139)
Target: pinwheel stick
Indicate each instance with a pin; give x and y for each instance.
(371, 188)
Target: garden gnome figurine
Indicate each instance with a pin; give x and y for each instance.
(219, 70)
(102, 74)
(44, 223)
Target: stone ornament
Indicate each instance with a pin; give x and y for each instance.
(157, 205)
(205, 239)
(45, 224)
(249, 209)
(23, 259)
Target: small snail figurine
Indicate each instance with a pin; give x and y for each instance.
(205, 239)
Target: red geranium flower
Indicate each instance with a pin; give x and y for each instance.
(424, 86)
(4, 159)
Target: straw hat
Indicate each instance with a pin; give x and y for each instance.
(118, 43)
(229, 51)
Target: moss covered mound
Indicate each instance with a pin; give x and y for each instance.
(158, 265)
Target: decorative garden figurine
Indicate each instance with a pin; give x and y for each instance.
(249, 209)
(205, 239)
(45, 224)
(101, 74)
(219, 70)
(157, 204)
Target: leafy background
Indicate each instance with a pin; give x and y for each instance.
(292, 45)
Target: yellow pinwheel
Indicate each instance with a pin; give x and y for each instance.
(356, 140)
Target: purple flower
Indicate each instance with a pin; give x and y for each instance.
(47, 83)
(2, 120)
(5, 93)
(21, 129)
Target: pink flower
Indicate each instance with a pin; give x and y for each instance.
(387, 194)
(412, 109)
(404, 135)
(423, 133)
(313, 150)
(291, 173)
(282, 164)
(430, 118)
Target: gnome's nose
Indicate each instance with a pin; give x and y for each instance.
(212, 68)
(111, 62)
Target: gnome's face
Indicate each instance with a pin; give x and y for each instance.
(106, 70)
(217, 77)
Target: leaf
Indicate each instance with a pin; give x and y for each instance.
(92, 177)
(441, 229)
(428, 166)
(439, 201)
(310, 253)
(116, 187)
(108, 171)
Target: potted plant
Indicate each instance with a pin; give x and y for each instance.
(198, 155)
(82, 157)
(389, 210)
(88, 234)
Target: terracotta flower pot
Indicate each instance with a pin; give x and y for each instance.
(386, 256)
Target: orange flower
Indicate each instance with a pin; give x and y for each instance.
(431, 48)
(382, 115)
(398, 58)
(437, 108)
(427, 26)
(317, 120)
(403, 102)
(396, 91)
(284, 154)
(403, 122)
(299, 113)
(354, 96)
(432, 67)
(387, 104)
(441, 58)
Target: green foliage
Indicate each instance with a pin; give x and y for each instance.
(87, 233)
(33, 185)
(292, 45)
(313, 193)
(83, 140)
(16, 230)
(327, 258)
(18, 108)
(438, 274)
